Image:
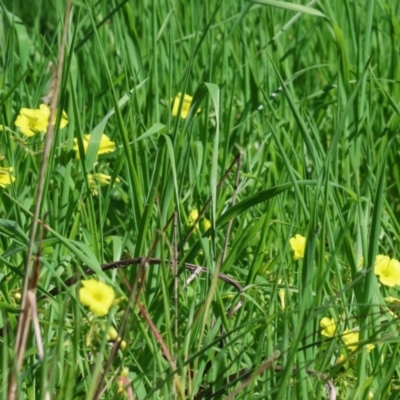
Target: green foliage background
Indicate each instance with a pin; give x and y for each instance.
(311, 99)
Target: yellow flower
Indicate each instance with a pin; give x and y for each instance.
(5, 177)
(298, 245)
(112, 334)
(205, 225)
(350, 339)
(102, 179)
(388, 270)
(46, 111)
(340, 359)
(97, 296)
(193, 215)
(328, 327)
(106, 145)
(187, 102)
(30, 122)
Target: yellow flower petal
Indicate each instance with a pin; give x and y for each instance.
(30, 121)
(370, 347)
(5, 177)
(193, 215)
(105, 145)
(46, 111)
(187, 102)
(205, 225)
(112, 333)
(97, 296)
(388, 270)
(99, 179)
(340, 359)
(351, 339)
(298, 245)
(328, 327)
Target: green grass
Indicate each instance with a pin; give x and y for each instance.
(309, 96)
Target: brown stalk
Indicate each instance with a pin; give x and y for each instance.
(140, 277)
(126, 385)
(237, 161)
(265, 365)
(143, 262)
(150, 261)
(249, 374)
(132, 298)
(29, 281)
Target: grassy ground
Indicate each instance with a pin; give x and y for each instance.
(304, 101)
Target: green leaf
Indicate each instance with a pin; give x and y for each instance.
(251, 201)
(290, 7)
(98, 130)
(214, 93)
(154, 129)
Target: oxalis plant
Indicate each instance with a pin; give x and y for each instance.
(199, 200)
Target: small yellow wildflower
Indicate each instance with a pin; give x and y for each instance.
(5, 177)
(351, 339)
(187, 102)
(298, 245)
(388, 270)
(105, 146)
(46, 111)
(17, 296)
(97, 296)
(193, 215)
(112, 334)
(30, 121)
(341, 359)
(205, 225)
(328, 327)
(102, 179)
